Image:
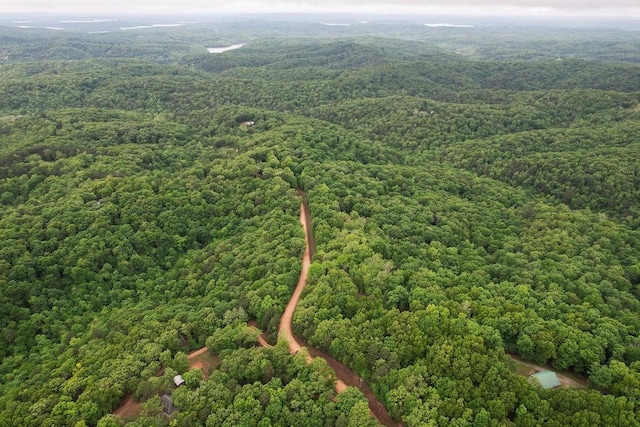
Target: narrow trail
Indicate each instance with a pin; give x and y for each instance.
(262, 338)
(345, 376)
(197, 353)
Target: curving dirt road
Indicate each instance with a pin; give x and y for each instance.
(346, 377)
(284, 330)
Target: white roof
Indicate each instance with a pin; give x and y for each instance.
(178, 380)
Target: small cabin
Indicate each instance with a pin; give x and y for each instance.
(178, 380)
(167, 404)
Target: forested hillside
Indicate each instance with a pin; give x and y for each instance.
(467, 206)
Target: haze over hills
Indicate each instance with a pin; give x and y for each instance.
(112, 21)
(168, 38)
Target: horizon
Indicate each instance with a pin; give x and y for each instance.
(598, 9)
(378, 16)
(99, 21)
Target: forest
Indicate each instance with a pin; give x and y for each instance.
(475, 202)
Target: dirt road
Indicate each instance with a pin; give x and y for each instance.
(284, 330)
(346, 377)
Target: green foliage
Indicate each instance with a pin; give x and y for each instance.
(423, 276)
(463, 206)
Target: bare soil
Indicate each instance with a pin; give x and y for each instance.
(202, 359)
(129, 408)
(567, 379)
(346, 377)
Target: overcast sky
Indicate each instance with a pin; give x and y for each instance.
(482, 7)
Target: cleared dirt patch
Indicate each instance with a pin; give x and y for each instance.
(567, 379)
(202, 359)
(129, 409)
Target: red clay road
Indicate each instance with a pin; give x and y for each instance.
(346, 377)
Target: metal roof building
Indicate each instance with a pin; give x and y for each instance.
(178, 380)
(547, 379)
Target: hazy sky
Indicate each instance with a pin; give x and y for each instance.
(482, 7)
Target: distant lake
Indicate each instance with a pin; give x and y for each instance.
(224, 49)
(449, 25)
(138, 27)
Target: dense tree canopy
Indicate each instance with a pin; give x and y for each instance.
(465, 207)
